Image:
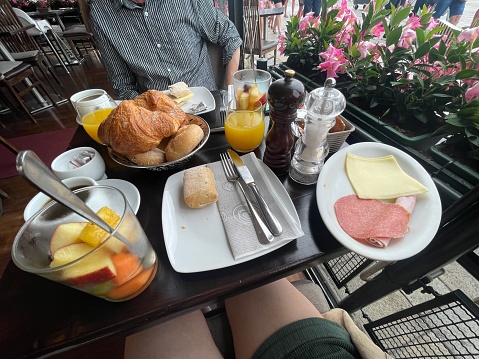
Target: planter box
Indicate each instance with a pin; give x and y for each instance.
(420, 142)
(278, 71)
(454, 166)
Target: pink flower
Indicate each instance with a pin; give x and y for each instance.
(378, 30)
(413, 22)
(330, 67)
(282, 45)
(364, 47)
(407, 38)
(469, 35)
(472, 92)
(305, 22)
(333, 61)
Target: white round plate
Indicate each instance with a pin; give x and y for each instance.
(129, 190)
(333, 183)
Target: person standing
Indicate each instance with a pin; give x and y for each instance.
(312, 6)
(277, 18)
(456, 9)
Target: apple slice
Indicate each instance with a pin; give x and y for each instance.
(263, 98)
(65, 234)
(96, 268)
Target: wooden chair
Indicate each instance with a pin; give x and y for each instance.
(22, 48)
(253, 44)
(46, 37)
(14, 80)
(450, 31)
(79, 38)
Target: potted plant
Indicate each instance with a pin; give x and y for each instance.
(404, 76)
(459, 152)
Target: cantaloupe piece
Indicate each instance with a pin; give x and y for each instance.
(133, 286)
(127, 266)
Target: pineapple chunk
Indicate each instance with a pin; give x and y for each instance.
(94, 235)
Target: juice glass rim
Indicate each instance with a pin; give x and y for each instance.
(243, 71)
(45, 208)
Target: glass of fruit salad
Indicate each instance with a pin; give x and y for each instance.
(251, 87)
(58, 244)
(244, 128)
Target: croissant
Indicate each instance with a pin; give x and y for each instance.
(139, 125)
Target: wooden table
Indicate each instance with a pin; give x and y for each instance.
(269, 12)
(39, 316)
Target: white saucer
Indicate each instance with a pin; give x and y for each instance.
(129, 190)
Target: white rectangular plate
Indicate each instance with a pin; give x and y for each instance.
(200, 94)
(195, 239)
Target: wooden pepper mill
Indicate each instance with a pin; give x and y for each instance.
(285, 96)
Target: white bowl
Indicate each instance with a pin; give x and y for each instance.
(41, 199)
(94, 169)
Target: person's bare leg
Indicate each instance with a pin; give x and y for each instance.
(257, 314)
(277, 20)
(185, 337)
(286, 8)
(292, 7)
(455, 19)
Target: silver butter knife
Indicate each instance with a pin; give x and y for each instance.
(271, 220)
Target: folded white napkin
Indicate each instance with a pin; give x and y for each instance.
(236, 217)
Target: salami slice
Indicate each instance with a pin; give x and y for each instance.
(408, 203)
(364, 219)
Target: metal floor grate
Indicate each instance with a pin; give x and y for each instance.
(444, 327)
(346, 267)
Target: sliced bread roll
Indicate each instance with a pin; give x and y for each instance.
(199, 187)
(183, 142)
(150, 158)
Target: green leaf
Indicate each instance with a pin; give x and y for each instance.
(466, 74)
(422, 50)
(399, 16)
(394, 36)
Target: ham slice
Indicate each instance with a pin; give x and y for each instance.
(373, 221)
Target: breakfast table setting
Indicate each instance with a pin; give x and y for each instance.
(207, 253)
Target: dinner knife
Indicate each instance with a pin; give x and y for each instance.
(271, 220)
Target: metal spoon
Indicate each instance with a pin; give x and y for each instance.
(31, 167)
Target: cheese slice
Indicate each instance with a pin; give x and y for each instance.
(181, 100)
(380, 178)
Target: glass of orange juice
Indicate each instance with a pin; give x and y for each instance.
(93, 109)
(92, 120)
(244, 128)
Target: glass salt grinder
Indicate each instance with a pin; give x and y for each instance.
(322, 106)
(285, 96)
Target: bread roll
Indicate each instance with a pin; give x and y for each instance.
(338, 126)
(183, 142)
(150, 158)
(199, 187)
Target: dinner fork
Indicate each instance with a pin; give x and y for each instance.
(264, 234)
(223, 107)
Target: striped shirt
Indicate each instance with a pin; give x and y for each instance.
(159, 43)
